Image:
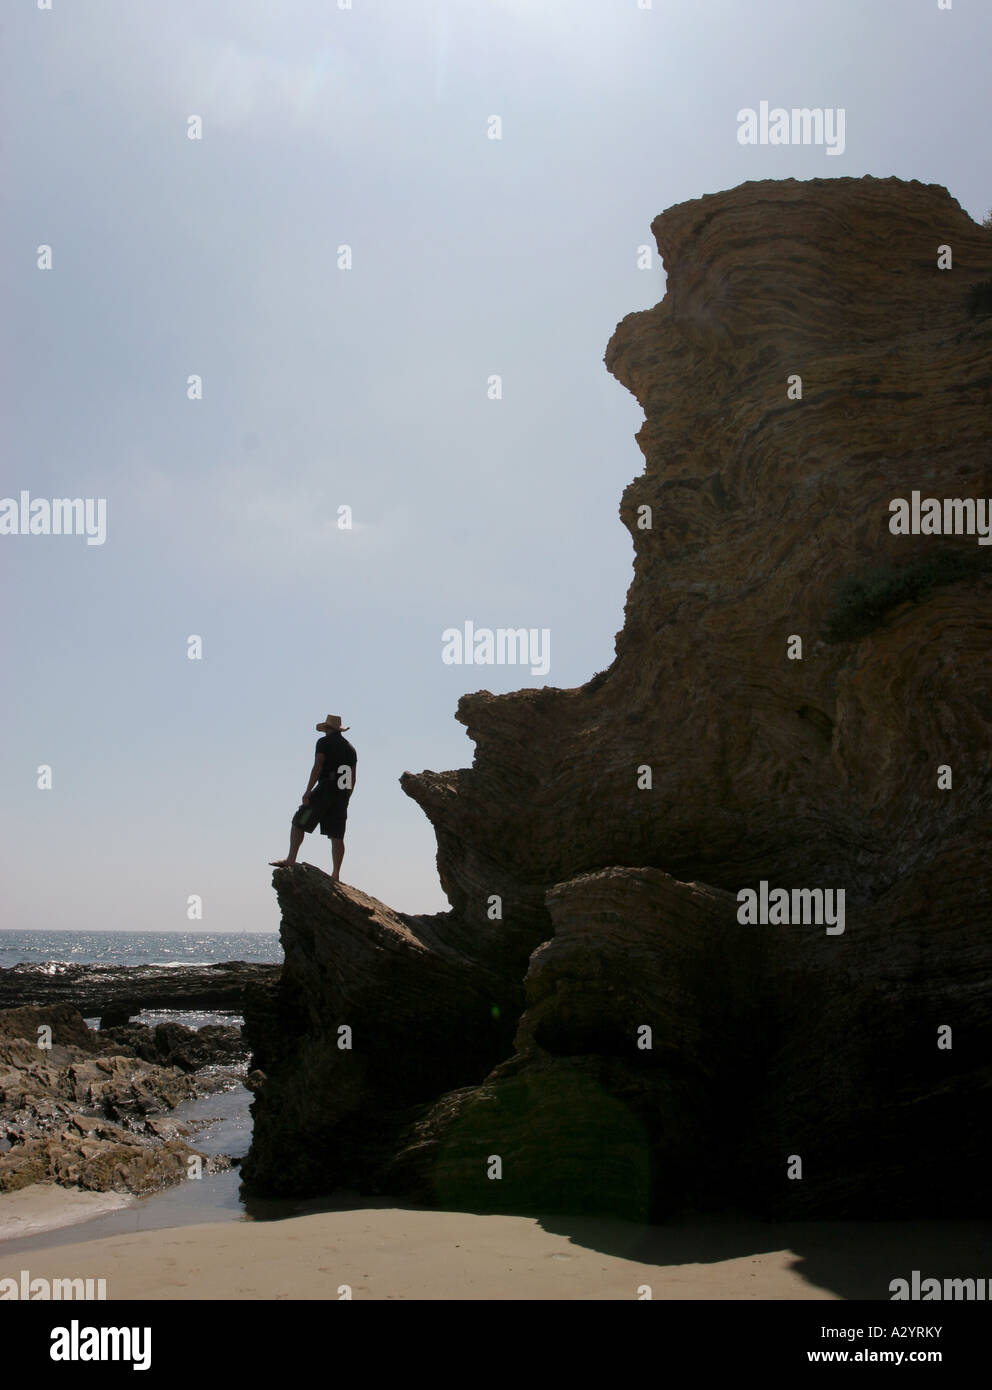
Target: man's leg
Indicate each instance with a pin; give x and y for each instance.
(337, 854)
(295, 840)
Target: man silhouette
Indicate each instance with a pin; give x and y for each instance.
(325, 801)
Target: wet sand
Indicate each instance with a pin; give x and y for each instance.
(44, 1207)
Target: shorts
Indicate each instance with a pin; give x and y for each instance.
(332, 817)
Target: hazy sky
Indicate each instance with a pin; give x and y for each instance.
(365, 388)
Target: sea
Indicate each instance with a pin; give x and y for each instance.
(136, 948)
(221, 1121)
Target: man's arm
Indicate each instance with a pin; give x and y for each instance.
(315, 771)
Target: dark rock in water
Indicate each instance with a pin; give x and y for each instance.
(67, 1026)
(115, 993)
(116, 1017)
(593, 853)
(175, 1045)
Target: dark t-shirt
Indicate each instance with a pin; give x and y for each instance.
(338, 754)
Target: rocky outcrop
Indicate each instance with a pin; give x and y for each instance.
(84, 1110)
(115, 993)
(175, 1045)
(799, 697)
(631, 1058)
(375, 1012)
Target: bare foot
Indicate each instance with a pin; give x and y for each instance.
(282, 863)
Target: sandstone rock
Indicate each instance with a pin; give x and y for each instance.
(101, 1166)
(769, 520)
(415, 1010)
(631, 1062)
(762, 509)
(166, 1127)
(121, 1086)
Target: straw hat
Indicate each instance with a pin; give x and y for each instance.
(332, 724)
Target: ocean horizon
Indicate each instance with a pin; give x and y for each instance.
(64, 946)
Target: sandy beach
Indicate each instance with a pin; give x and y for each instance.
(397, 1253)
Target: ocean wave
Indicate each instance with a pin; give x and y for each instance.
(174, 964)
(191, 1018)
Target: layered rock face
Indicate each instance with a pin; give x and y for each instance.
(800, 697)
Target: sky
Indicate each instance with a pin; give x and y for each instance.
(369, 387)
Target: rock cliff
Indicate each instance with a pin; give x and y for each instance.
(799, 697)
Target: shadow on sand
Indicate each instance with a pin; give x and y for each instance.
(849, 1259)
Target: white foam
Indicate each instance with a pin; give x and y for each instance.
(173, 964)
